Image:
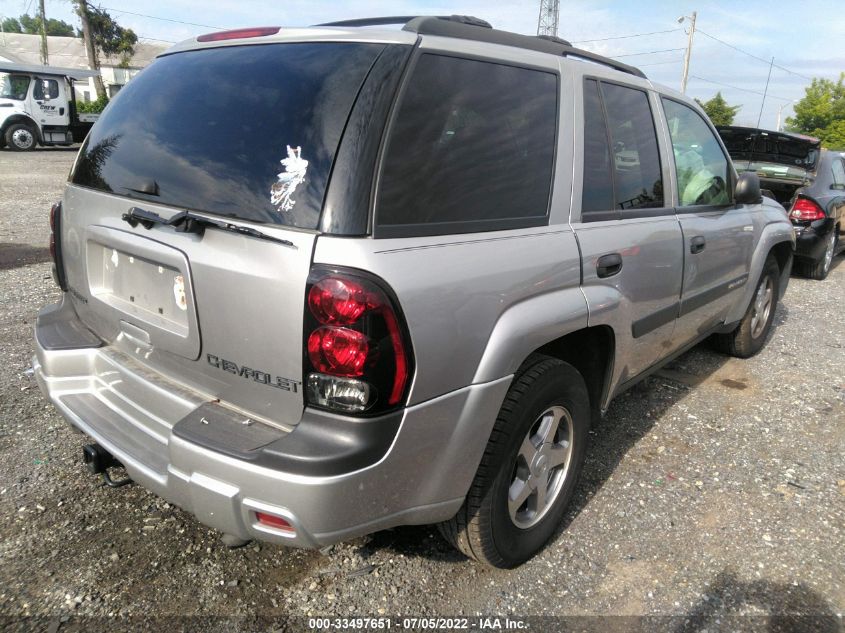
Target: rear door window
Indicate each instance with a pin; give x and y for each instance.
(242, 131)
(702, 170)
(471, 149)
(622, 172)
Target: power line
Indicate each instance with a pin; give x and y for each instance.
(625, 37)
(765, 61)
(756, 92)
(665, 50)
(671, 61)
(153, 17)
(156, 39)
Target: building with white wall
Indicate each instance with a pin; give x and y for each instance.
(69, 52)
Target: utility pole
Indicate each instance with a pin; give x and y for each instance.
(688, 53)
(44, 59)
(88, 38)
(547, 24)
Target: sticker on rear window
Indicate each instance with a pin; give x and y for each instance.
(281, 193)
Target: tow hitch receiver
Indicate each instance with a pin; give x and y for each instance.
(99, 460)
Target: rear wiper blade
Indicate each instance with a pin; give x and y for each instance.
(187, 222)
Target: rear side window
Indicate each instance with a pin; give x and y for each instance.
(243, 131)
(622, 172)
(702, 170)
(471, 149)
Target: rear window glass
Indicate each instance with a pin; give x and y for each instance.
(242, 131)
(472, 149)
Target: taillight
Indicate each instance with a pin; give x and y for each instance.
(237, 34)
(805, 209)
(56, 245)
(357, 350)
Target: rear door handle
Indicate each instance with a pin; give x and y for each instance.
(697, 244)
(609, 265)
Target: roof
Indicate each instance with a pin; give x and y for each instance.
(67, 52)
(73, 73)
(453, 26)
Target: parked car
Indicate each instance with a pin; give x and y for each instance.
(807, 180)
(378, 277)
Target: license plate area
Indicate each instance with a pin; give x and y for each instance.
(143, 283)
(147, 290)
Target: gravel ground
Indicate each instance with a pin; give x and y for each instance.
(713, 492)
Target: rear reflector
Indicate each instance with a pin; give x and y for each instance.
(239, 34)
(273, 521)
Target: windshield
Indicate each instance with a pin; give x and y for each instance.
(241, 131)
(13, 86)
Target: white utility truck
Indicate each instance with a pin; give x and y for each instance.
(38, 107)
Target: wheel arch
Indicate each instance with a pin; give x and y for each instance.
(776, 239)
(21, 118)
(591, 351)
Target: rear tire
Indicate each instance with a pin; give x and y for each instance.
(20, 137)
(750, 335)
(819, 270)
(529, 469)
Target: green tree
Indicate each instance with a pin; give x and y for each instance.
(110, 38)
(833, 136)
(32, 25)
(719, 111)
(821, 113)
(11, 25)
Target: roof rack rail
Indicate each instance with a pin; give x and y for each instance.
(467, 28)
(555, 39)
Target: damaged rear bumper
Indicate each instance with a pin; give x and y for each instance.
(331, 477)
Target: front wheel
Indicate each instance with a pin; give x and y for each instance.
(529, 469)
(20, 137)
(750, 335)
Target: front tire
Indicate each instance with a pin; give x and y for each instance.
(529, 469)
(750, 335)
(20, 137)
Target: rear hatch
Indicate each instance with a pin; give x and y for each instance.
(191, 214)
(784, 162)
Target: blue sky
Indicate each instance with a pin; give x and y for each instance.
(807, 38)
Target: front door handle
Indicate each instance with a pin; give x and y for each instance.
(609, 265)
(697, 244)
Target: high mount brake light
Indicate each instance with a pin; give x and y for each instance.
(805, 209)
(357, 352)
(238, 34)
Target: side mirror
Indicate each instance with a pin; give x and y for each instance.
(748, 189)
(45, 89)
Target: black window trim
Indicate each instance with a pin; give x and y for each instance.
(701, 208)
(469, 226)
(621, 214)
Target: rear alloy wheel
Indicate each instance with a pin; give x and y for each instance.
(529, 469)
(750, 335)
(20, 137)
(821, 268)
